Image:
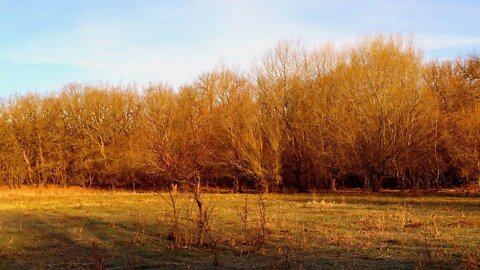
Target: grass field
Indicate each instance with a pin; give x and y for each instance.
(74, 228)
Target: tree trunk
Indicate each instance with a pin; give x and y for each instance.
(236, 185)
(366, 184)
(377, 185)
(302, 185)
(333, 183)
(197, 196)
(265, 186)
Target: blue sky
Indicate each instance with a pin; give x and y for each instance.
(45, 43)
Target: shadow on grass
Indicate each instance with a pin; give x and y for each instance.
(57, 241)
(430, 201)
(54, 241)
(29, 242)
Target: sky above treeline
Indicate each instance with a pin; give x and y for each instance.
(45, 44)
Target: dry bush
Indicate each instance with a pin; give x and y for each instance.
(191, 228)
(254, 228)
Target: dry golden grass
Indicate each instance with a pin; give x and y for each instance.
(55, 228)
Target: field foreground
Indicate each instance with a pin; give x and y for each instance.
(75, 228)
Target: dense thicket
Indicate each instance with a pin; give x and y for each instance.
(369, 115)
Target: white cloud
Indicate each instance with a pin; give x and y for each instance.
(438, 41)
(175, 45)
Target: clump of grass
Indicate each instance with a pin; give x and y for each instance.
(322, 204)
(470, 260)
(139, 236)
(98, 257)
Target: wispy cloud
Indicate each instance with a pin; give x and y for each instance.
(123, 41)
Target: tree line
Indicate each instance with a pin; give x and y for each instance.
(369, 115)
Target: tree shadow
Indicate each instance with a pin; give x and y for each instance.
(429, 201)
(53, 241)
(56, 241)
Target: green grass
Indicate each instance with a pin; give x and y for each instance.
(73, 228)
